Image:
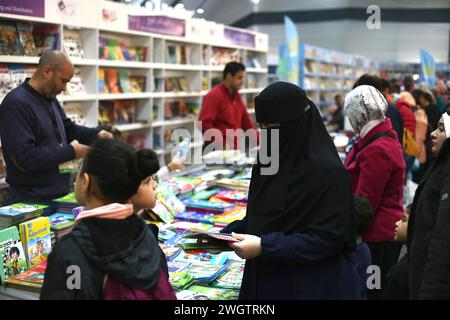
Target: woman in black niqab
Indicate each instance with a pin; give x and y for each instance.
(299, 229)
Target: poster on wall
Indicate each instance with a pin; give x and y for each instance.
(32, 8)
(69, 11)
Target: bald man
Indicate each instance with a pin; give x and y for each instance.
(38, 139)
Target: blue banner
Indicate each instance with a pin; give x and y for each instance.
(282, 69)
(292, 50)
(428, 68)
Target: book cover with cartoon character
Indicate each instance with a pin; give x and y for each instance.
(36, 239)
(12, 256)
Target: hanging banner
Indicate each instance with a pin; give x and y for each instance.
(158, 24)
(428, 68)
(32, 8)
(282, 68)
(292, 50)
(239, 38)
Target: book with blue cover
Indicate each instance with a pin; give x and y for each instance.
(19, 212)
(196, 216)
(205, 205)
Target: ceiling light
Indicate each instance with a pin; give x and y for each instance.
(200, 11)
(179, 6)
(255, 1)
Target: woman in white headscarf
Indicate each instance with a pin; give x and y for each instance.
(429, 224)
(377, 171)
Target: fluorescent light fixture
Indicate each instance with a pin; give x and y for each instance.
(200, 11)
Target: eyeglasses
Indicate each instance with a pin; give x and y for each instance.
(155, 178)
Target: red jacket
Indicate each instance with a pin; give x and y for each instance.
(378, 173)
(223, 110)
(409, 120)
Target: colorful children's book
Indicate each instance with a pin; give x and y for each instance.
(206, 272)
(102, 88)
(192, 226)
(61, 221)
(170, 200)
(165, 234)
(124, 83)
(195, 216)
(9, 40)
(204, 195)
(36, 240)
(6, 82)
(232, 195)
(68, 198)
(72, 44)
(19, 212)
(30, 280)
(203, 257)
(177, 266)
(180, 280)
(25, 31)
(238, 213)
(204, 205)
(12, 256)
(232, 278)
(207, 293)
(170, 252)
(112, 81)
(162, 212)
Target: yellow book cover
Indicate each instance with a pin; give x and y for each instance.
(36, 240)
(238, 213)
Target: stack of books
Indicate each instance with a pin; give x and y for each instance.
(66, 203)
(19, 212)
(30, 280)
(61, 224)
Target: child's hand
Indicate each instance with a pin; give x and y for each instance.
(248, 248)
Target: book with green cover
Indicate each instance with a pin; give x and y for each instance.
(207, 293)
(12, 256)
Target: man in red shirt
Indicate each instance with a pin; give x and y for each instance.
(223, 108)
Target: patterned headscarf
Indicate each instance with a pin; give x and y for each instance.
(364, 104)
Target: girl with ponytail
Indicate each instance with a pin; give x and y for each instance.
(110, 253)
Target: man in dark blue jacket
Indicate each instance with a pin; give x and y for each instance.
(38, 139)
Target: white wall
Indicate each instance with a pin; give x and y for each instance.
(394, 42)
(398, 42)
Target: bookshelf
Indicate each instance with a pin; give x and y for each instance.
(325, 73)
(144, 79)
